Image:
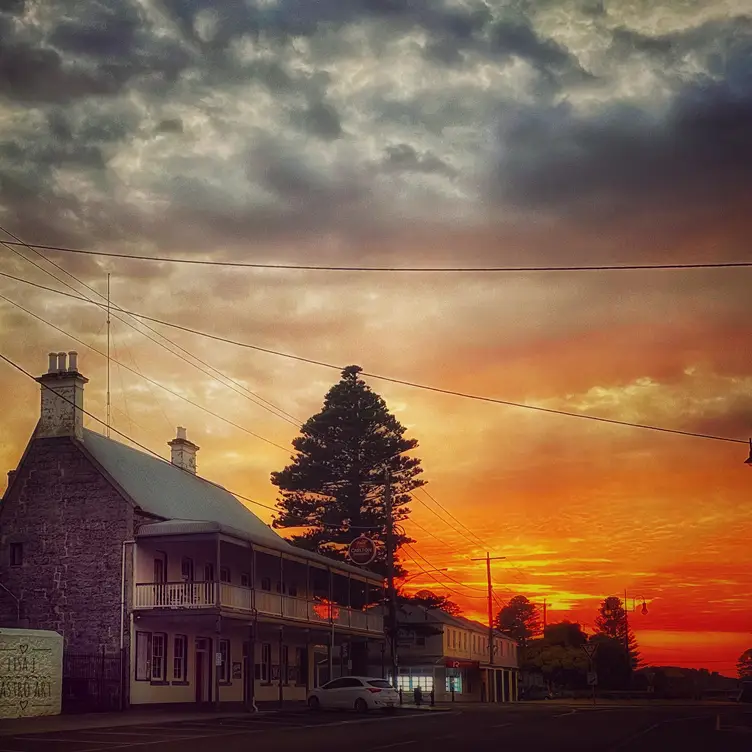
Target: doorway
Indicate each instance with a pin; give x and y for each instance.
(203, 670)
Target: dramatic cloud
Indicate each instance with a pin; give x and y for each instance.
(414, 133)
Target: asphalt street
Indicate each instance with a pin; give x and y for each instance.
(525, 727)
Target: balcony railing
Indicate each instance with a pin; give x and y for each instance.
(194, 595)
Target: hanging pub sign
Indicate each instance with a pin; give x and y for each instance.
(362, 551)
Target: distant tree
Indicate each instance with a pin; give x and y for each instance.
(519, 620)
(566, 633)
(744, 665)
(334, 487)
(558, 655)
(612, 622)
(611, 662)
(429, 599)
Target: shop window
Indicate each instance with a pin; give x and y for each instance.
(456, 682)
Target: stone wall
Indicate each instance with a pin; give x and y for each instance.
(71, 522)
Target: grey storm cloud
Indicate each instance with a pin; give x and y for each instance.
(695, 148)
(98, 77)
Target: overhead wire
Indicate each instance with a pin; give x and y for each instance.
(393, 269)
(149, 380)
(392, 380)
(449, 514)
(236, 385)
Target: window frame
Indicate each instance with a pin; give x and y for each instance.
(16, 554)
(225, 575)
(187, 569)
(159, 661)
(224, 648)
(143, 662)
(180, 659)
(245, 579)
(284, 664)
(266, 662)
(266, 584)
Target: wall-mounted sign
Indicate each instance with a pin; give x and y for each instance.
(362, 551)
(31, 672)
(237, 670)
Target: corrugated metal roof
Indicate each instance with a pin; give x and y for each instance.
(187, 502)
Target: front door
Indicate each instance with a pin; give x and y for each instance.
(203, 669)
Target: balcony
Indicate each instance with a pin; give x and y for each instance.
(197, 595)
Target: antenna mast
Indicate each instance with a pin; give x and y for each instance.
(108, 355)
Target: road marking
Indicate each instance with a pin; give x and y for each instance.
(561, 715)
(653, 727)
(395, 744)
(50, 739)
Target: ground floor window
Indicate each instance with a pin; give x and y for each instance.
(143, 656)
(409, 679)
(159, 656)
(180, 658)
(224, 669)
(454, 682)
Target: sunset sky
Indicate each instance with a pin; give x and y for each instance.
(418, 133)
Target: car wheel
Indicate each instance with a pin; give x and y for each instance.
(313, 703)
(361, 706)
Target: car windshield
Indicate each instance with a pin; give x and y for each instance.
(381, 684)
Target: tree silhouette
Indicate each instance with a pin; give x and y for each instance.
(334, 487)
(744, 665)
(429, 599)
(612, 622)
(519, 620)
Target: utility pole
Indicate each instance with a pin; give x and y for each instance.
(391, 593)
(488, 559)
(545, 621)
(108, 356)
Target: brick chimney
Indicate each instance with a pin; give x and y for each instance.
(183, 451)
(62, 397)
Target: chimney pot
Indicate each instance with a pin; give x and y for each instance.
(52, 367)
(73, 361)
(61, 365)
(183, 451)
(11, 475)
(62, 398)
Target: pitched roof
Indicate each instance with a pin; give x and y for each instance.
(162, 489)
(437, 615)
(185, 500)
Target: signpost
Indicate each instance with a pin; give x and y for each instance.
(589, 649)
(362, 551)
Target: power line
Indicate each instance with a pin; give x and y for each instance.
(392, 269)
(444, 509)
(146, 378)
(449, 524)
(255, 398)
(149, 380)
(389, 379)
(433, 576)
(128, 438)
(447, 575)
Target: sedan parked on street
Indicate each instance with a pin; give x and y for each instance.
(360, 693)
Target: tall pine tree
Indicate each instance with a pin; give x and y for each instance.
(612, 621)
(334, 487)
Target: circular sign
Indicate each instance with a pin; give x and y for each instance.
(362, 551)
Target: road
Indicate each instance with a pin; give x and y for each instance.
(523, 727)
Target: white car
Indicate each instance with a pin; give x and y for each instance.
(361, 693)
